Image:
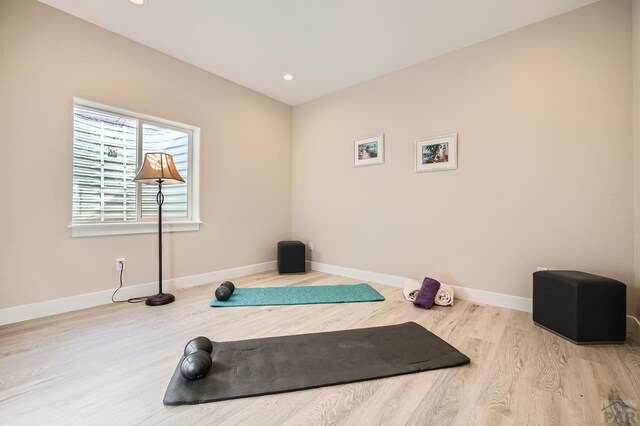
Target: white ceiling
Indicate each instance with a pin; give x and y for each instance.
(327, 45)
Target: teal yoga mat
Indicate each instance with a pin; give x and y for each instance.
(306, 295)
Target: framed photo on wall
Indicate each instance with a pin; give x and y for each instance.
(437, 153)
(368, 151)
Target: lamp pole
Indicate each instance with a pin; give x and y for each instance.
(160, 201)
(160, 298)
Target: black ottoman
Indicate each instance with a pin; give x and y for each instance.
(291, 257)
(581, 307)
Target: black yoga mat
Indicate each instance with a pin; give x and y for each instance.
(281, 364)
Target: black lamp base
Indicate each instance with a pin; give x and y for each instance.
(160, 299)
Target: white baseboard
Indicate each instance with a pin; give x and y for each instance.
(501, 300)
(358, 274)
(73, 303)
(471, 294)
(241, 271)
(633, 326)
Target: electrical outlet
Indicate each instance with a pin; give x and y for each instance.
(541, 268)
(310, 245)
(121, 264)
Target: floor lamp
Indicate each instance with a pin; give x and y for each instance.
(159, 168)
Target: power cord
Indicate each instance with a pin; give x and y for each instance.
(131, 300)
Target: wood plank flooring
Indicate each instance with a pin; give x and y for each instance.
(111, 365)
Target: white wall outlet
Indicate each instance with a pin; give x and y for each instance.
(310, 245)
(121, 264)
(541, 268)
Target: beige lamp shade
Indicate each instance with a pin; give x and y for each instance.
(158, 165)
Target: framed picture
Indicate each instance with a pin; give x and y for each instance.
(368, 151)
(437, 153)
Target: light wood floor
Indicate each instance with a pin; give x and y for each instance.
(111, 365)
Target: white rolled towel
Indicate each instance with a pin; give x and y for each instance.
(444, 297)
(411, 289)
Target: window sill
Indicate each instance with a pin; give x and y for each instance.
(98, 229)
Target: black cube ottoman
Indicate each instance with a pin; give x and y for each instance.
(584, 308)
(291, 257)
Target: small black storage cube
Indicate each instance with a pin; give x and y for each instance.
(582, 307)
(291, 257)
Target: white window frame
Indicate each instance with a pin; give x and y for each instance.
(150, 225)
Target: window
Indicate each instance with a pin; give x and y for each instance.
(108, 147)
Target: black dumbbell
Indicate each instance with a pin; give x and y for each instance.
(225, 291)
(197, 359)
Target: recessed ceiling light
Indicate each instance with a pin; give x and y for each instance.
(288, 77)
(137, 2)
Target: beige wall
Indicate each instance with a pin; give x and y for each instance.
(545, 174)
(635, 292)
(47, 58)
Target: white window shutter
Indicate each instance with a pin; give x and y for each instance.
(104, 164)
